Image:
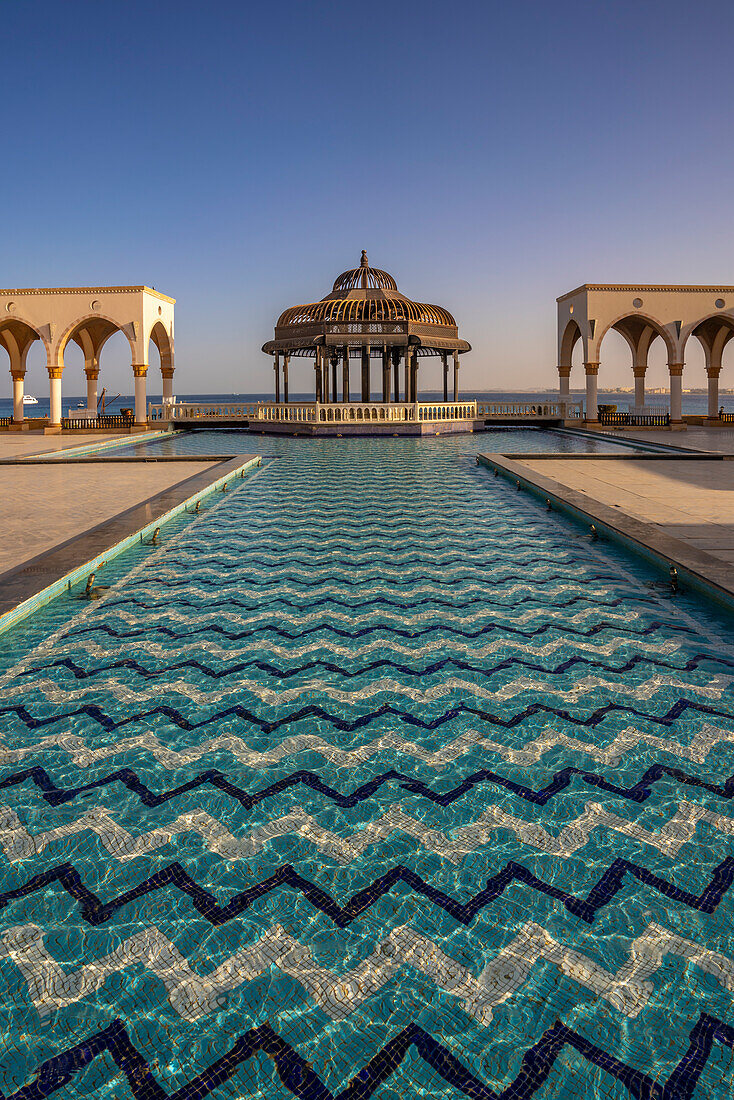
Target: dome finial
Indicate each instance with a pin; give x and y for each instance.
(364, 262)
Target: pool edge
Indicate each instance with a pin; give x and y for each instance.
(706, 574)
(158, 511)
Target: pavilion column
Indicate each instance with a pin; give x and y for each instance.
(639, 373)
(385, 374)
(564, 385)
(396, 372)
(92, 376)
(445, 364)
(345, 373)
(167, 378)
(592, 403)
(140, 371)
(325, 391)
(286, 361)
(456, 376)
(406, 388)
(676, 392)
(366, 372)
(319, 376)
(713, 392)
(18, 411)
(334, 386)
(54, 385)
(276, 368)
(414, 377)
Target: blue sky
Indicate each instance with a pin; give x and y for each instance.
(238, 156)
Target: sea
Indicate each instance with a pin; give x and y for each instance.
(693, 403)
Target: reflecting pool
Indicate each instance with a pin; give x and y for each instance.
(375, 772)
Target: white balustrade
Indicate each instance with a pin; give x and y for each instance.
(356, 412)
(529, 410)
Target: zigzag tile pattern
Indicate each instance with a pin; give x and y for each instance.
(301, 1080)
(316, 772)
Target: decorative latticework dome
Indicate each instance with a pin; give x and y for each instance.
(366, 309)
(364, 277)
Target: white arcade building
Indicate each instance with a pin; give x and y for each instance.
(88, 316)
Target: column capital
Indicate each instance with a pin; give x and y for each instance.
(55, 372)
(92, 373)
(17, 375)
(639, 372)
(591, 368)
(564, 372)
(675, 369)
(713, 372)
(167, 372)
(140, 370)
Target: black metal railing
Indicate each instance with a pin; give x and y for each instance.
(5, 421)
(114, 420)
(629, 420)
(727, 418)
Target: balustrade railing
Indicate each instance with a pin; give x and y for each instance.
(530, 410)
(111, 420)
(631, 420)
(404, 412)
(342, 412)
(179, 410)
(312, 412)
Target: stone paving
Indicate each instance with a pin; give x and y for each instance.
(717, 440)
(23, 444)
(43, 505)
(691, 501)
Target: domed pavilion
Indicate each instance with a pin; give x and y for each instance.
(366, 318)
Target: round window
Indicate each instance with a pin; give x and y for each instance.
(95, 304)
(719, 303)
(10, 307)
(637, 302)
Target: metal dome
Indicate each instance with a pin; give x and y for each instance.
(365, 308)
(364, 277)
(335, 310)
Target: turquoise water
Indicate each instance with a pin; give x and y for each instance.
(449, 702)
(498, 440)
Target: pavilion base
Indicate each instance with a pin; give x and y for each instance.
(451, 427)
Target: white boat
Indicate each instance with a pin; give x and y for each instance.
(28, 399)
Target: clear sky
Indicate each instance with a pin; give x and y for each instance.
(491, 156)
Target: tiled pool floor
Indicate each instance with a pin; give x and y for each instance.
(373, 779)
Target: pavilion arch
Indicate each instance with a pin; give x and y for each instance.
(88, 316)
(713, 334)
(17, 336)
(571, 336)
(639, 330)
(642, 313)
(89, 333)
(160, 337)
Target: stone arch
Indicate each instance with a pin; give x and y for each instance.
(90, 333)
(713, 333)
(97, 330)
(634, 326)
(162, 340)
(16, 337)
(571, 336)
